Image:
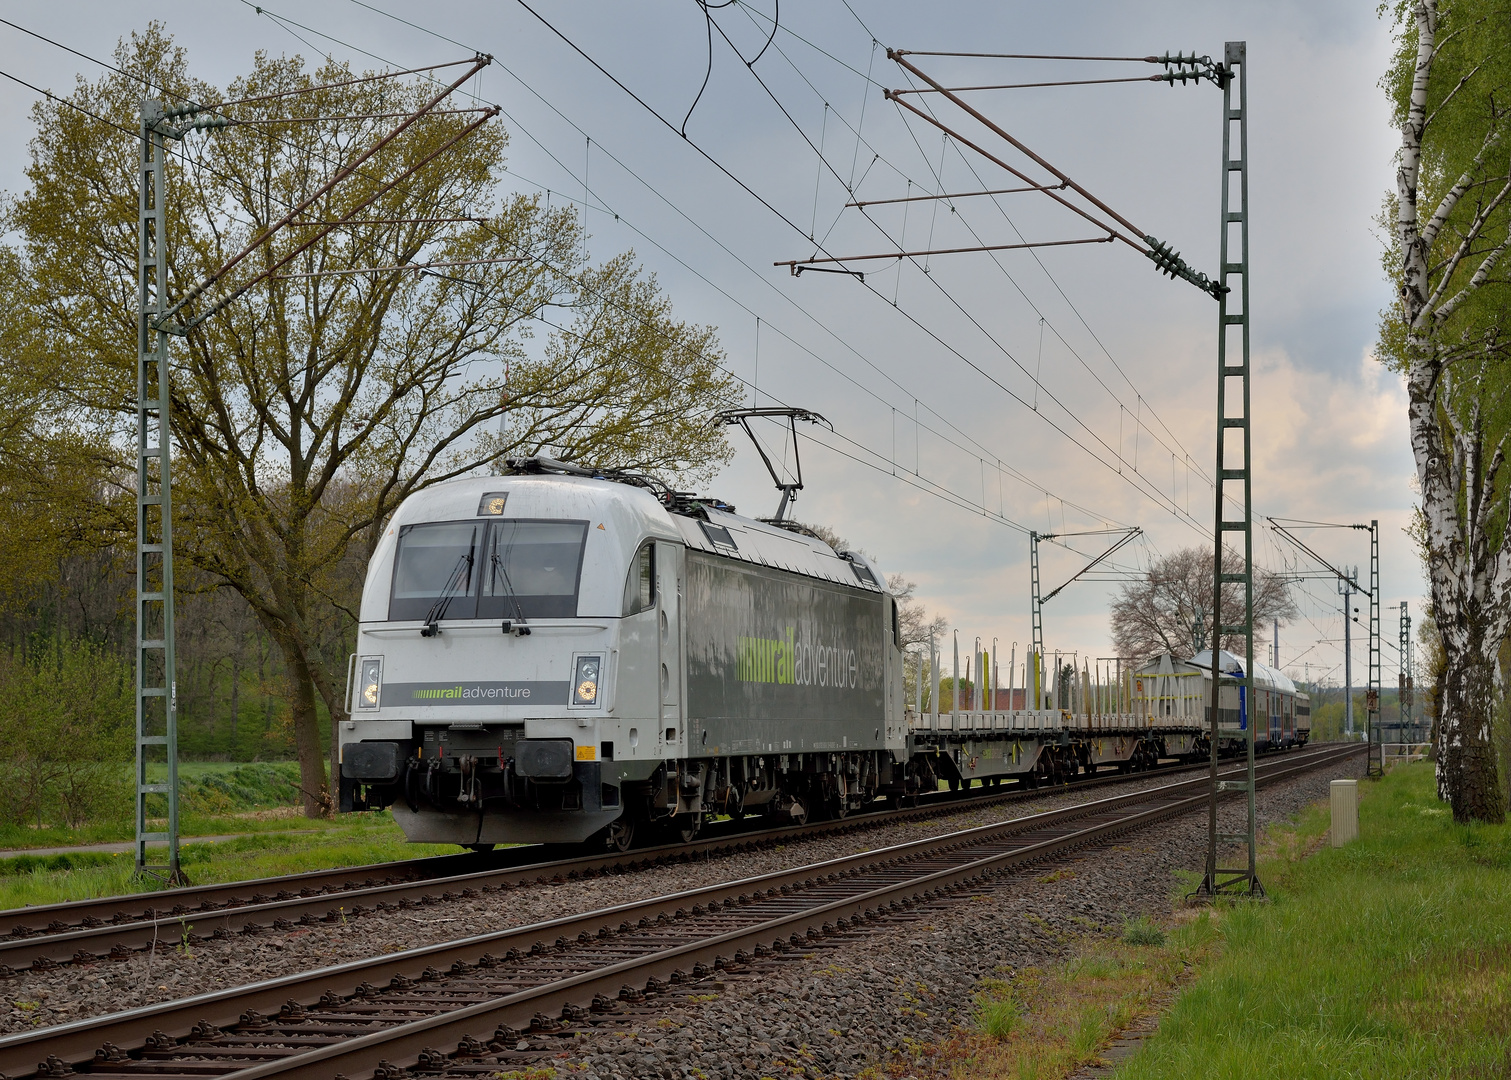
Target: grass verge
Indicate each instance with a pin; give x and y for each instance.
(349, 840)
(1390, 957)
(214, 797)
(1035, 1024)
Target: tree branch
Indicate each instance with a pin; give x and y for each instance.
(1456, 192)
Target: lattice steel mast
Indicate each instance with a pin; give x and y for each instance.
(1037, 617)
(1405, 694)
(157, 319)
(1235, 211)
(156, 682)
(1232, 312)
(1376, 733)
(1037, 599)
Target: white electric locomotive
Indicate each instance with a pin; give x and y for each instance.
(561, 654)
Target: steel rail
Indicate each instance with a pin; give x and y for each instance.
(169, 1021)
(403, 1045)
(83, 944)
(75, 925)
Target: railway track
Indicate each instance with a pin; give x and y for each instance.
(39, 938)
(464, 1007)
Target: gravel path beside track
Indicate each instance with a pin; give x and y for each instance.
(37, 999)
(887, 997)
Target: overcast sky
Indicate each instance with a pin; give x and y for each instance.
(973, 396)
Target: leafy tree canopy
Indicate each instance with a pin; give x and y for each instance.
(304, 412)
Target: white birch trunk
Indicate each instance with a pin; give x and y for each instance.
(1471, 593)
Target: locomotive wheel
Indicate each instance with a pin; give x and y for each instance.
(685, 827)
(621, 833)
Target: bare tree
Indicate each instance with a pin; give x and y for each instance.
(1451, 82)
(914, 622)
(1168, 610)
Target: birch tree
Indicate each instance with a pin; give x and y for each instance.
(1447, 334)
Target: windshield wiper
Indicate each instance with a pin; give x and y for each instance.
(500, 569)
(460, 573)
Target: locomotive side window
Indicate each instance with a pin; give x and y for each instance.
(530, 569)
(435, 562)
(640, 584)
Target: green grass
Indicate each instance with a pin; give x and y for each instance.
(1143, 932)
(1390, 957)
(214, 798)
(350, 840)
(999, 1019)
(1044, 1024)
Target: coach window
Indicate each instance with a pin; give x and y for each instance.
(640, 585)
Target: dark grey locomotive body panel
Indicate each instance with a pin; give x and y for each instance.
(780, 663)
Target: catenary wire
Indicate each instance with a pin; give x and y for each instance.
(1003, 269)
(1019, 477)
(108, 121)
(930, 487)
(752, 13)
(1148, 492)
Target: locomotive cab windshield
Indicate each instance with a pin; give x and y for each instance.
(487, 570)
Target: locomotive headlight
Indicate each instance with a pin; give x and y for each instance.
(371, 685)
(586, 679)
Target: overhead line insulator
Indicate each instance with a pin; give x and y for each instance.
(1169, 262)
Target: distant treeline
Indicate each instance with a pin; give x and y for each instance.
(232, 697)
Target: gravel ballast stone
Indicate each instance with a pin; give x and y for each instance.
(181, 968)
(889, 995)
(883, 994)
